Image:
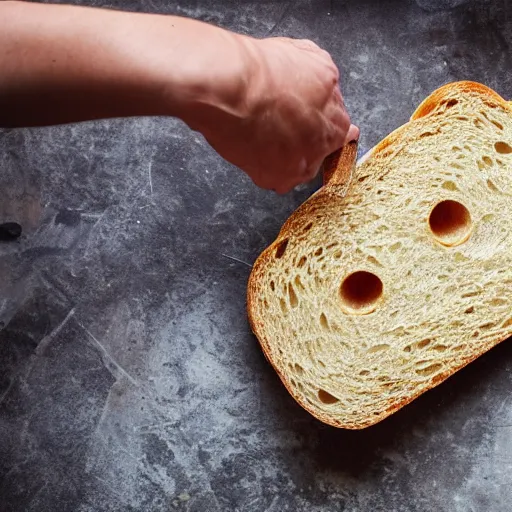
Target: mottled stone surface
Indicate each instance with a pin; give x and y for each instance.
(129, 380)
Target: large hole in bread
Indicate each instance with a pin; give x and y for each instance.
(326, 397)
(281, 248)
(360, 292)
(450, 222)
(503, 148)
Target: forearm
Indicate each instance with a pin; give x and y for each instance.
(65, 63)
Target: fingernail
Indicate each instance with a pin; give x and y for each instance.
(352, 134)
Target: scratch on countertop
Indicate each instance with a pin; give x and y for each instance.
(281, 18)
(150, 179)
(40, 348)
(154, 427)
(108, 357)
(97, 216)
(237, 260)
(103, 415)
(49, 337)
(48, 280)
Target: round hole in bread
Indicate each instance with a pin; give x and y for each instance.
(450, 223)
(503, 148)
(360, 292)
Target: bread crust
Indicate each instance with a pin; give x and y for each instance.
(338, 167)
(337, 183)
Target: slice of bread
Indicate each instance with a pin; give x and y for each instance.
(383, 284)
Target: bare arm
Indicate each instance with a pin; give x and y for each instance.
(262, 104)
(61, 63)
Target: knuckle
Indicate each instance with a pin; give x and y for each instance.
(336, 93)
(333, 74)
(335, 71)
(307, 44)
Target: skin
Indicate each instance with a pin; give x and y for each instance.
(272, 106)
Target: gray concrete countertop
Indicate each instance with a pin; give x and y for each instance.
(129, 379)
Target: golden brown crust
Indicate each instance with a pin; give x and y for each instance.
(335, 185)
(338, 166)
(449, 90)
(432, 102)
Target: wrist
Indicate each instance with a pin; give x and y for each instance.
(213, 84)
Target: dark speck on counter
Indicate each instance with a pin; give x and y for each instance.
(9, 231)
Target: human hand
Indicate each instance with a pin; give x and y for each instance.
(272, 106)
(290, 115)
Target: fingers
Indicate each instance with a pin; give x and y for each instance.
(305, 124)
(312, 170)
(339, 128)
(283, 188)
(348, 131)
(284, 183)
(302, 173)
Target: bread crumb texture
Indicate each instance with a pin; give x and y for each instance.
(369, 298)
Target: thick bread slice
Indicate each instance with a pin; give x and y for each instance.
(371, 296)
